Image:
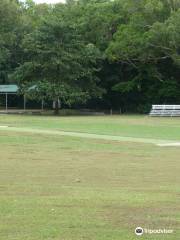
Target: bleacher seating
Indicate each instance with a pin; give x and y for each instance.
(165, 111)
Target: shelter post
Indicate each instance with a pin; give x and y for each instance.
(6, 101)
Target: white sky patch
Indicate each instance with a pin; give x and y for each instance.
(48, 1)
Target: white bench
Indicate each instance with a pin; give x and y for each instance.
(165, 111)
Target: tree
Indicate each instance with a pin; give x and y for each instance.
(71, 51)
(59, 64)
(9, 24)
(148, 47)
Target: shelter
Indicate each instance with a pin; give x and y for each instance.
(9, 90)
(12, 89)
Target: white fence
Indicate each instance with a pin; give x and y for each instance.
(165, 110)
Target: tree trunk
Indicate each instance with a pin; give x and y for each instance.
(56, 106)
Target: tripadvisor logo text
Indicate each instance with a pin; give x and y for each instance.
(140, 231)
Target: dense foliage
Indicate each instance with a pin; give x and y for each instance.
(97, 53)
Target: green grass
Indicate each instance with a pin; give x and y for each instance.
(70, 188)
(131, 126)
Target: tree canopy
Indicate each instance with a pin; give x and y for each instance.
(100, 53)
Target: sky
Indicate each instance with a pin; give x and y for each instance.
(48, 1)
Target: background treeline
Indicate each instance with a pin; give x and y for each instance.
(93, 53)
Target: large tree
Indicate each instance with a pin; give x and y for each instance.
(9, 30)
(58, 62)
(147, 48)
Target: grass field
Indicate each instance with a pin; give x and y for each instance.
(74, 188)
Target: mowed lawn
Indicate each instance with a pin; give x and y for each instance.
(72, 188)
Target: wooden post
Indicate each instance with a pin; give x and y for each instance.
(6, 101)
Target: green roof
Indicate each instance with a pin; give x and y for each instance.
(11, 88)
